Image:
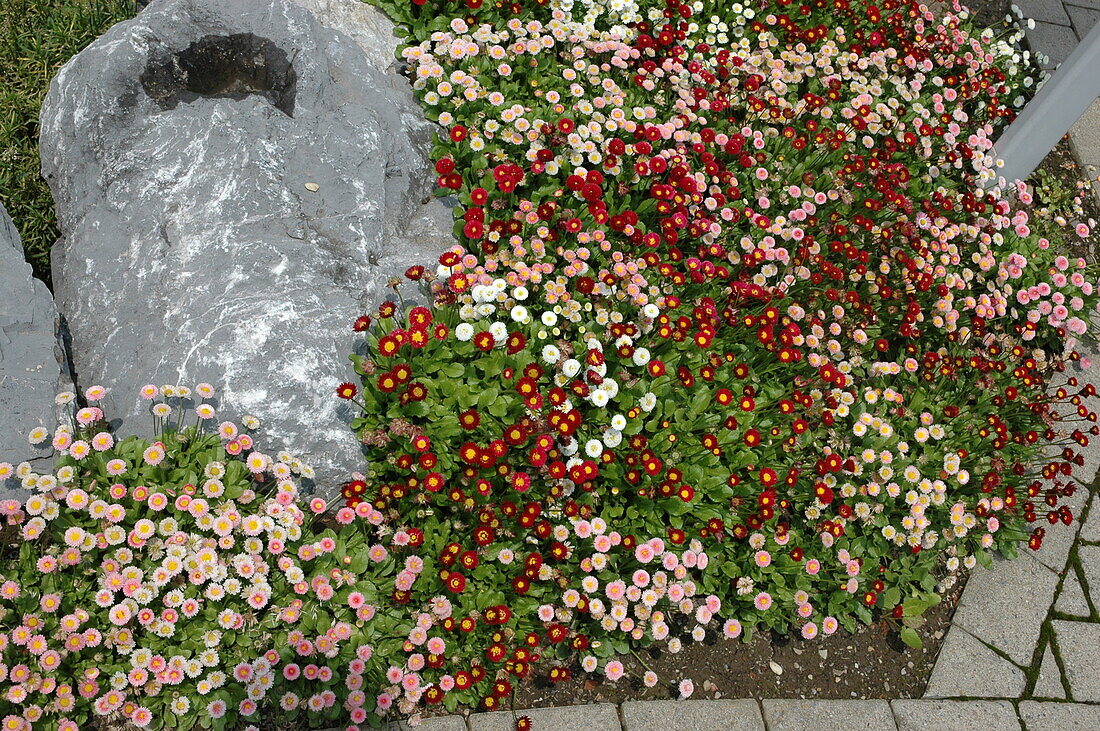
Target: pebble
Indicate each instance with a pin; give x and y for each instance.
(776, 667)
(312, 187)
(824, 654)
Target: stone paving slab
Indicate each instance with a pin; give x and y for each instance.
(439, 723)
(728, 715)
(813, 715)
(1049, 681)
(1055, 549)
(1056, 42)
(1072, 600)
(593, 716)
(1084, 137)
(1090, 564)
(1079, 646)
(1083, 19)
(921, 715)
(1005, 606)
(954, 676)
(1047, 11)
(1060, 716)
(1090, 531)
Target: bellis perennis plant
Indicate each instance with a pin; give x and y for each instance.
(731, 340)
(142, 578)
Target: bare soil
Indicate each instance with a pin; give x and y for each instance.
(870, 663)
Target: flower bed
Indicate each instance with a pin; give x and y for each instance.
(731, 342)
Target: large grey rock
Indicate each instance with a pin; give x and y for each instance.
(235, 183)
(31, 356)
(363, 23)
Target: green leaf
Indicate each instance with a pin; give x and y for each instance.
(910, 637)
(488, 397)
(916, 607)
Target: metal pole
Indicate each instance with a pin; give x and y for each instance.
(1048, 116)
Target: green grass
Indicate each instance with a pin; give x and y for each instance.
(36, 38)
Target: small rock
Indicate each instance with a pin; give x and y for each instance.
(824, 654)
(312, 187)
(775, 667)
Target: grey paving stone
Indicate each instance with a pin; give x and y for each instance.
(1086, 473)
(728, 715)
(1077, 643)
(852, 715)
(1049, 684)
(1006, 606)
(954, 674)
(1060, 716)
(1084, 137)
(1090, 531)
(1090, 564)
(439, 723)
(920, 715)
(1072, 600)
(1083, 19)
(1046, 11)
(1056, 42)
(1094, 4)
(1059, 538)
(594, 716)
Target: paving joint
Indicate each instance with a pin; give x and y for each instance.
(1063, 678)
(998, 651)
